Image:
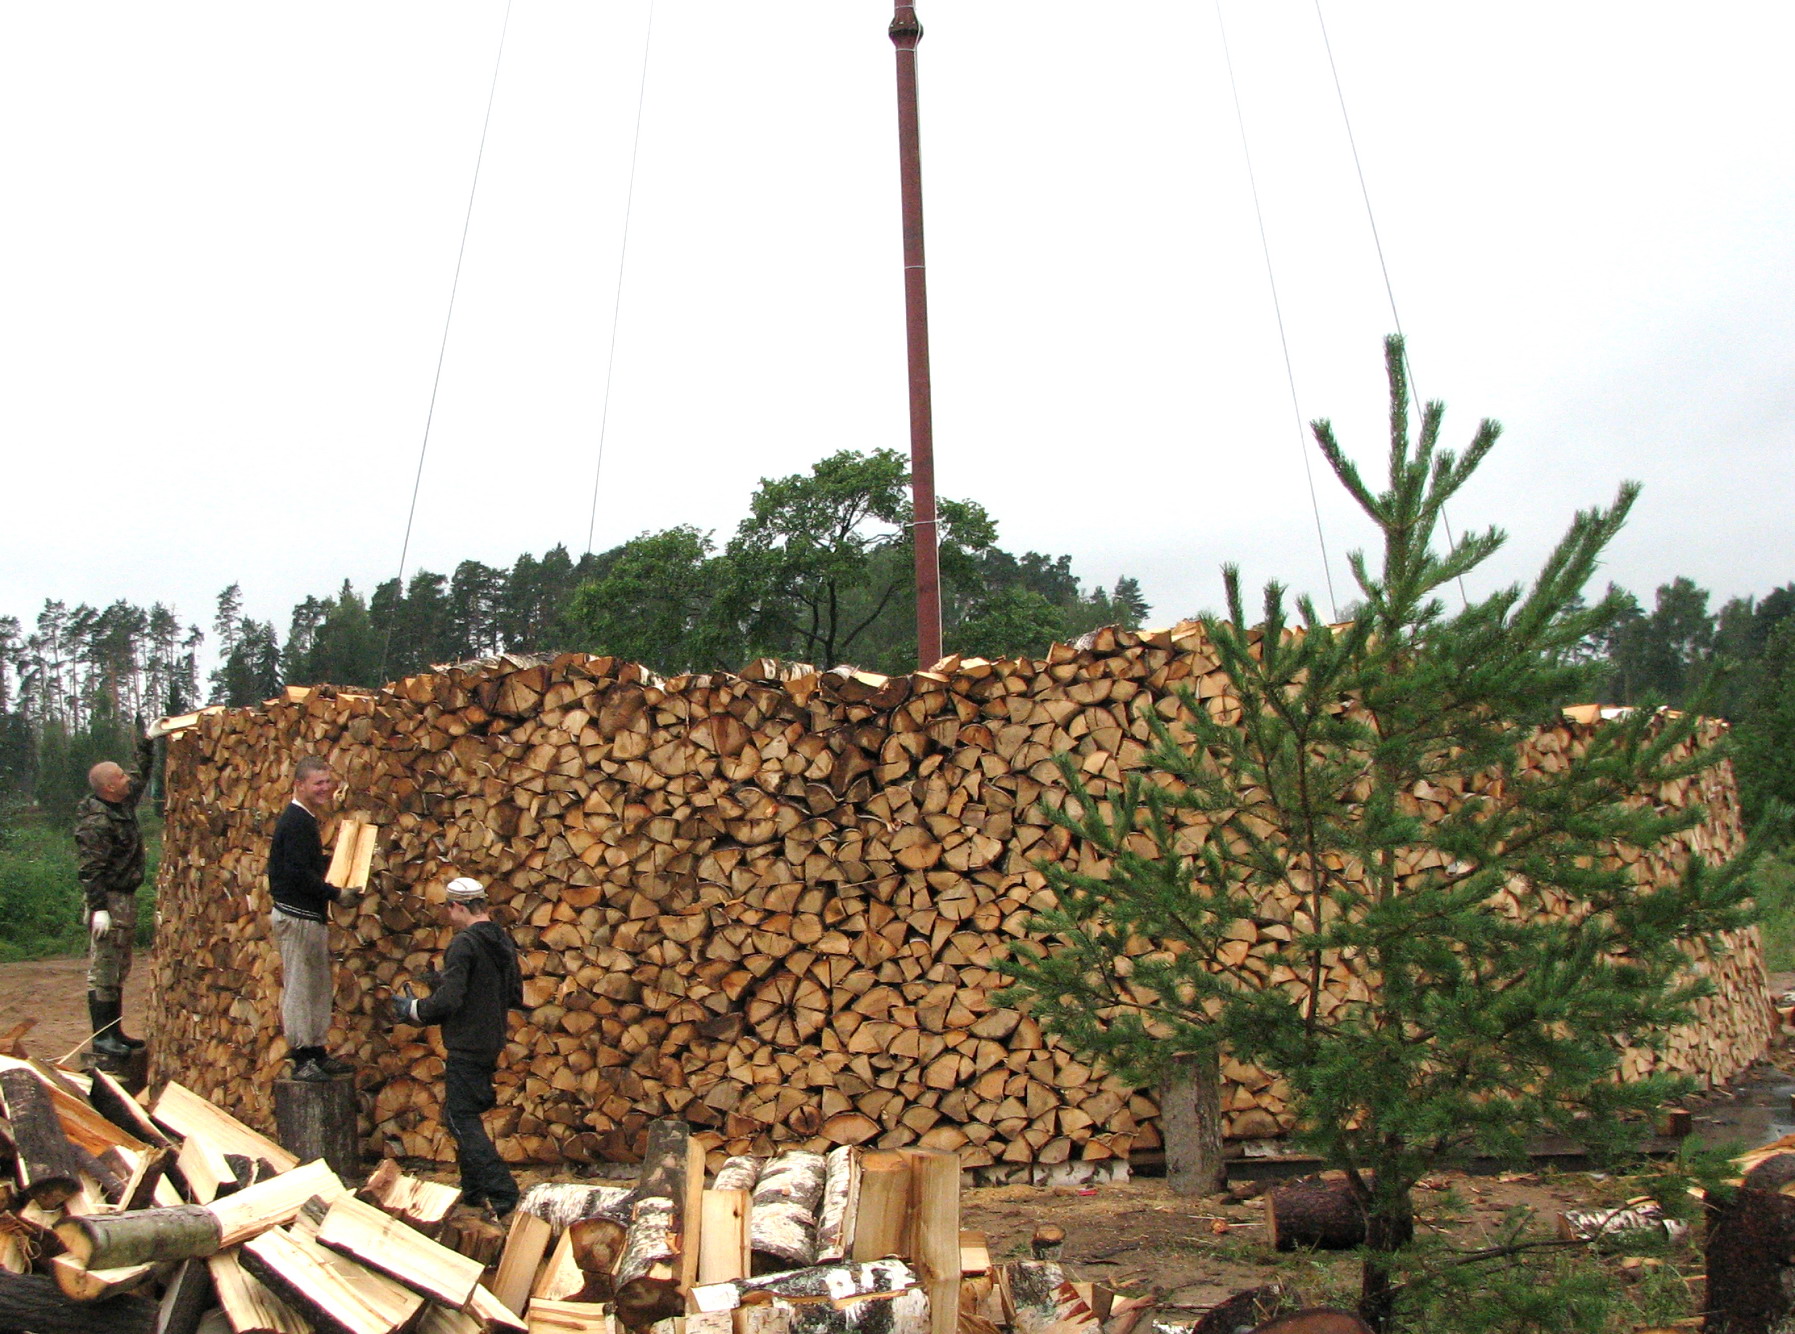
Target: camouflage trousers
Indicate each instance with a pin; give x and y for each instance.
(109, 957)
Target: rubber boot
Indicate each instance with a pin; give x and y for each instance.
(135, 1044)
(104, 1016)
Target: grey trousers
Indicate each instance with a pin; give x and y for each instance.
(305, 978)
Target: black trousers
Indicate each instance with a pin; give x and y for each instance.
(467, 1091)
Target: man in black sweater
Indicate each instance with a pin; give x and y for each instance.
(300, 921)
(479, 983)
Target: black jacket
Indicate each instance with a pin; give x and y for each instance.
(296, 866)
(480, 981)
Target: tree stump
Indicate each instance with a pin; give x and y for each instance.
(317, 1120)
(1190, 1124)
(132, 1071)
(1751, 1237)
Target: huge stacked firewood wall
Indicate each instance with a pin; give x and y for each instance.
(766, 904)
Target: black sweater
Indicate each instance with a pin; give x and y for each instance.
(480, 982)
(296, 866)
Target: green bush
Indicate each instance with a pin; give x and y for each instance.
(1776, 902)
(40, 898)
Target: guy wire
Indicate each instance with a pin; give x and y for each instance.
(448, 317)
(629, 199)
(1378, 243)
(1302, 435)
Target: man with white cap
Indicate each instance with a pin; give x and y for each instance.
(480, 981)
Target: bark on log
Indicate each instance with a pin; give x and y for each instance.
(316, 1119)
(646, 1286)
(782, 1218)
(1249, 1309)
(32, 1304)
(110, 1241)
(737, 1173)
(187, 1297)
(1321, 1320)
(47, 1168)
(840, 1204)
(1750, 1244)
(1318, 1212)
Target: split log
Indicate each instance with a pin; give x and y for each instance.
(340, 1298)
(187, 1297)
(1249, 1309)
(94, 1285)
(249, 1305)
(569, 1318)
(273, 1202)
(316, 1119)
(840, 1205)
(1318, 1212)
(884, 1209)
(935, 1186)
(782, 1220)
(386, 1245)
(110, 1241)
(836, 1283)
(33, 1302)
(525, 1244)
(724, 1252)
(46, 1167)
(184, 1113)
(494, 1316)
(424, 1205)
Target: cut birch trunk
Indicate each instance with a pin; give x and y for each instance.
(646, 1285)
(782, 1219)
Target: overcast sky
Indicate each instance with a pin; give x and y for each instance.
(229, 231)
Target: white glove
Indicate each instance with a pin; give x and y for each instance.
(99, 923)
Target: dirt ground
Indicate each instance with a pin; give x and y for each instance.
(1134, 1236)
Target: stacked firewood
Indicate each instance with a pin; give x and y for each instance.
(768, 904)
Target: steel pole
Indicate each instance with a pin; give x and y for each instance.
(905, 33)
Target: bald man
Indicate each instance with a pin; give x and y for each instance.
(109, 850)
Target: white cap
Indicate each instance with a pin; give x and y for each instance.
(465, 888)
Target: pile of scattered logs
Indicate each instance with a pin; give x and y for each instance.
(768, 904)
(181, 1218)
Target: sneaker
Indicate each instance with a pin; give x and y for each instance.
(310, 1072)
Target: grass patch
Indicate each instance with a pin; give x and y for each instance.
(1776, 901)
(41, 907)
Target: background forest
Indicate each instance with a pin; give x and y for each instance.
(818, 570)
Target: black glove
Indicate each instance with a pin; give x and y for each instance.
(403, 1008)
